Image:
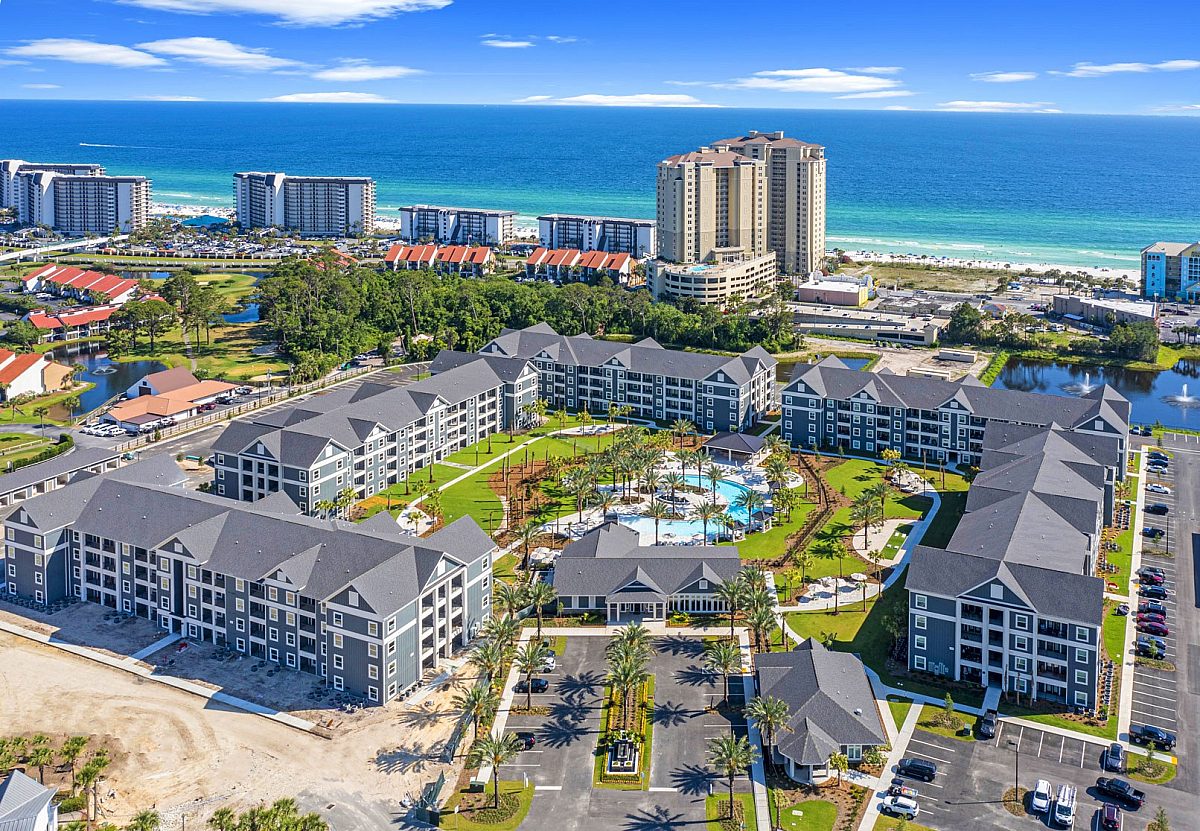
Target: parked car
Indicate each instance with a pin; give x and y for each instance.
(922, 769)
(1152, 607)
(1157, 470)
(243, 390)
(1110, 817)
(549, 664)
(1150, 647)
(1154, 534)
(987, 725)
(1152, 628)
(537, 685)
(1143, 734)
(1064, 807)
(1155, 570)
(898, 788)
(525, 739)
(1158, 456)
(1155, 487)
(1114, 759)
(1153, 592)
(1151, 617)
(1040, 796)
(1122, 791)
(1158, 509)
(901, 806)
(211, 405)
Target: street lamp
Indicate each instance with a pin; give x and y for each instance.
(1016, 746)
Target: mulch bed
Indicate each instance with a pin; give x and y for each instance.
(850, 800)
(479, 807)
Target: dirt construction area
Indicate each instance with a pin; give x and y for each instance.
(183, 754)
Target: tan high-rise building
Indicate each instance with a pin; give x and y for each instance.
(711, 206)
(795, 204)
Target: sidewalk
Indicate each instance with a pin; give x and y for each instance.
(899, 746)
(1125, 704)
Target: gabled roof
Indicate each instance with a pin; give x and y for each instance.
(22, 802)
(19, 365)
(829, 698)
(736, 442)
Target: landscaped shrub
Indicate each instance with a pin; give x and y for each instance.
(65, 442)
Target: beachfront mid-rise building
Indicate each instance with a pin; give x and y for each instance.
(14, 177)
(318, 206)
(1171, 271)
(795, 210)
(578, 372)
(367, 607)
(635, 237)
(75, 199)
(456, 226)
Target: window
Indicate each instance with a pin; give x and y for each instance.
(241, 643)
(124, 568)
(290, 598)
(337, 661)
(239, 584)
(337, 641)
(391, 648)
(1081, 656)
(239, 625)
(372, 628)
(920, 601)
(291, 618)
(1081, 676)
(191, 571)
(337, 618)
(1022, 685)
(1021, 622)
(919, 642)
(240, 604)
(373, 672)
(37, 577)
(373, 693)
(273, 613)
(1081, 698)
(391, 668)
(919, 662)
(191, 591)
(272, 593)
(919, 621)
(1021, 664)
(273, 654)
(1020, 643)
(291, 659)
(373, 650)
(703, 585)
(289, 638)
(1081, 634)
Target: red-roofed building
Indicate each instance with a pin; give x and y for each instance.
(411, 257)
(86, 286)
(468, 260)
(31, 373)
(72, 324)
(565, 264)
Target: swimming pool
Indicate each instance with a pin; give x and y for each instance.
(671, 530)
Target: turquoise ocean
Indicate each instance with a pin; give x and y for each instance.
(1075, 190)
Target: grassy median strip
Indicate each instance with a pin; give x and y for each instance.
(476, 811)
(626, 782)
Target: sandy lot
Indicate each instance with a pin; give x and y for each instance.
(898, 361)
(181, 753)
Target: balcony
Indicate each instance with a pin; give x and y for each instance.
(971, 653)
(1058, 673)
(971, 633)
(995, 638)
(972, 613)
(1053, 630)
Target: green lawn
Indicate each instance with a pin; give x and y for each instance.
(899, 708)
(927, 721)
(1166, 774)
(891, 824)
(460, 822)
(810, 815)
(24, 414)
(1122, 558)
(892, 547)
(713, 810)
(16, 447)
(771, 544)
(600, 755)
(226, 354)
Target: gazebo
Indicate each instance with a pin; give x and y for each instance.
(736, 448)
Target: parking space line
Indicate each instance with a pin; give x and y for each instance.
(1138, 694)
(1040, 742)
(930, 744)
(1137, 681)
(1061, 748)
(1150, 717)
(1083, 748)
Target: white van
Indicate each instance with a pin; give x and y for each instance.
(1064, 807)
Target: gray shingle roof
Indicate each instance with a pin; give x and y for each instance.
(829, 698)
(77, 459)
(645, 356)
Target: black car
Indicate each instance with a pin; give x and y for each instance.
(1154, 534)
(987, 725)
(1158, 508)
(525, 739)
(1149, 646)
(1144, 734)
(1114, 758)
(1152, 607)
(1158, 456)
(1153, 592)
(537, 685)
(922, 769)
(1144, 570)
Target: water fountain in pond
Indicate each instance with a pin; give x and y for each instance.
(1183, 399)
(1081, 388)
(104, 369)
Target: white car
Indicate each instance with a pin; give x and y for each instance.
(901, 806)
(1039, 799)
(1154, 487)
(549, 664)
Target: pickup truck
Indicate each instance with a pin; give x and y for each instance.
(1121, 791)
(1145, 734)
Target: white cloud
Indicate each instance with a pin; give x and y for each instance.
(816, 79)
(1091, 70)
(217, 52)
(330, 98)
(883, 93)
(1003, 77)
(561, 38)
(897, 107)
(357, 70)
(41, 86)
(298, 12)
(876, 70)
(499, 43)
(169, 98)
(997, 107)
(691, 83)
(86, 51)
(637, 100)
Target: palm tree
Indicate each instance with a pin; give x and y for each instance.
(540, 595)
(510, 596)
(682, 428)
(606, 501)
(526, 534)
(675, 482)
(730, 755)
(772, 715)
(880, 491)
(324, 507)
(495, 751)
(223, 819)
(658, 511)
(529, 659)
(715, 477)
(761, 620)
(479, 702)
(144, 821)
(840, 763)
(489, 658)
(805, 560)
(733, 592)
(724, 658)
(503, 630)
(69, 753)
(39, 757)
(626, 675)
(778, 470)
(753, 504)
(580, 488)
(706, 511)
(864, 513)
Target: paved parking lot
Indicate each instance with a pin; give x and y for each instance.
(560, 764)
(972, 776)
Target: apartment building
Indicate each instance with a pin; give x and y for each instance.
(461, 226)
(337, 206)
(1171, 271)
(564, 264)
(795, 209)
(366, 607)
(80, 203)
(465, 260)
(371, 437)
(15, 177)
(579, 372)
(1013, 602)
(927, 419)
(715, 283)
(616, 235)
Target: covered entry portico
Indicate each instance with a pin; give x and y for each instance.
(626, 606)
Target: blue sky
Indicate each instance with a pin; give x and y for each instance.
(1048, 56)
